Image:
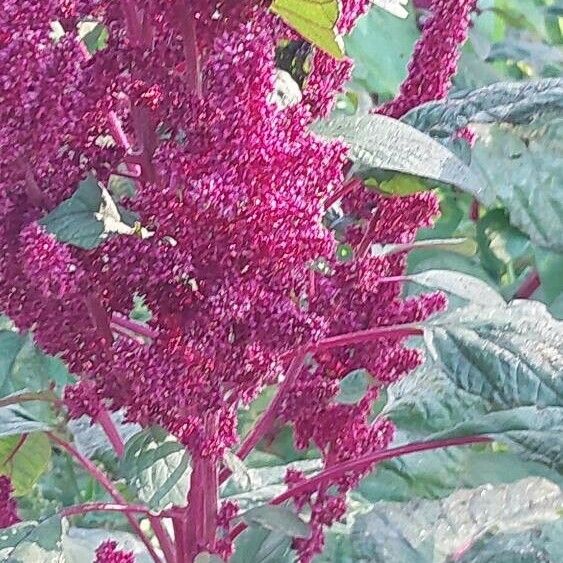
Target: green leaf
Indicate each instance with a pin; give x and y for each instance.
(433, 531)
(157, 467)
(381, 45)
(514, 103)
(508, 361)
(24, 366)
(24, 459)
(73, 221)
(377, 141)
(461, 288)
(90, 440)
(315, 20)
(40, 542)
(403, 184)
(15, 421)
(550, 269)
(265, 483)
(352, 387)
(464, 246)
(523, 165)
(260, 545)
(239, 472)
(94, 35)
(277, 518)
(89, 216)
(543, 542)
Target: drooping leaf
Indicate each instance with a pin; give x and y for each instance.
(277, 518)
(315, 20)
(24, 459)
(464, 246)
(460, 288)
(433, 531)
(515, 103)
(377, 141)
(158, 468)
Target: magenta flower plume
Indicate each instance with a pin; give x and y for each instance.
(8, 505)
(107, 552)
(436, 54)
(240, 275)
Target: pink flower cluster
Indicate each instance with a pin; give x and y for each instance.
(434, 61)
(107, 552)
(241, 274)
(8, 505)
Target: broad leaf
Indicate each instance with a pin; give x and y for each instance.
(266, 483)
(540, 543)
(506, 366)
(260, 545)
(158, 468)
(277, 518)
(353, 387)
(395, 7)
(377, 141)
(523, 167)
(239, 472)
(24, 366)
(433, 531)
(24, 459)
(315, 20)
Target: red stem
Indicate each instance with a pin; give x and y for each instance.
(348, 187)
(97, 474)
(187, 27)
(529, 286)
(363, 336)
(264, 424)
(179, 523)
(111, 432)
(163, 539)
(134, 326)
(361, 463)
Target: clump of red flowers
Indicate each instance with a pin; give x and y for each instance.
(8, 505)
(108, 552)
(240, 274)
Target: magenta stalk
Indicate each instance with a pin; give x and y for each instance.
(362, 463)
(99, 476)
(111, 432)
(134, 327)
(529, 286)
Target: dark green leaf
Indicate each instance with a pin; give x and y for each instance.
(158, 469)
(260, 545)
(377, 141)
(277, 518)
(73, 221)
(432, 531)
(515, 103)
